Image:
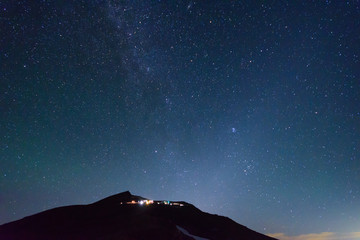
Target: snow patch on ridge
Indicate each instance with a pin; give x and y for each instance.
(184, 231)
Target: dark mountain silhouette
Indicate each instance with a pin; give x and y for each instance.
(125, 216)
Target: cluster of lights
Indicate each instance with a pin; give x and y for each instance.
(148, 202)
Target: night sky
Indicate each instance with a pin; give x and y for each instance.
(248, 109)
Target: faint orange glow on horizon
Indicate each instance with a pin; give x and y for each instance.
(318, 236)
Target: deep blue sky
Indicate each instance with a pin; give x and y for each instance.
(248, 109)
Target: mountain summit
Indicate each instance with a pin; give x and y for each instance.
(128, 217)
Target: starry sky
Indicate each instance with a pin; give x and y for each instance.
(248, 109)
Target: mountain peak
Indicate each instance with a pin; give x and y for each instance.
(126, 216)
(117, 198)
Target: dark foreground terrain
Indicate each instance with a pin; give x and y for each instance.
(125, 216)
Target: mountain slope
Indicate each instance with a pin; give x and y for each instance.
(125, 216)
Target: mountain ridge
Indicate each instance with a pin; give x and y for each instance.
(126, 216)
